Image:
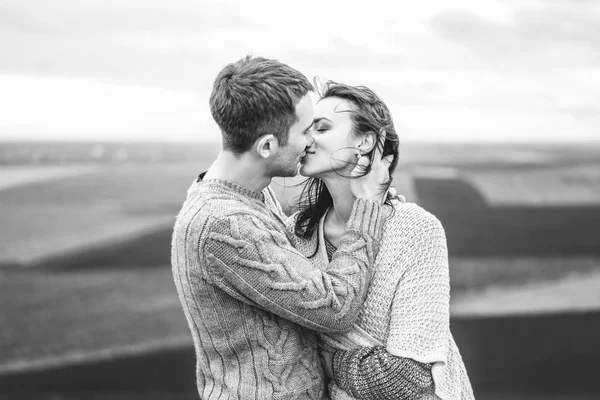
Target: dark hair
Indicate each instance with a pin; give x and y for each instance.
(253, 97)
(370, 115)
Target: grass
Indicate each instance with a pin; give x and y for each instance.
(114, 202)
(124, 306)
(53, 318)
(110, 204)
(13, 176)
(576, 292)
(560, 186)
(476, 273)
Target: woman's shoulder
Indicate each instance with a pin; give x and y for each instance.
(410, 217)
(413, 234)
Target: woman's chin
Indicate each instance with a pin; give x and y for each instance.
(303, 173)
(306, 173)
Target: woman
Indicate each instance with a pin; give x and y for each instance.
(401, 346)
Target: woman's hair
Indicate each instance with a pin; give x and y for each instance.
(369, 115)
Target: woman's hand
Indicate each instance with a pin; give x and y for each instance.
(374, 184)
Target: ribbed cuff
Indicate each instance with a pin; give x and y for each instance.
(339, 368)
(366, 216)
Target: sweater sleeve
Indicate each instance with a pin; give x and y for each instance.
(371, 373)
(255, 262)
(420, 314)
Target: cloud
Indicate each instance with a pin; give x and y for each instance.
(550, 36)
(153, 43)
(81, 109)
(581, 112)
(94, 17)
(480, 60)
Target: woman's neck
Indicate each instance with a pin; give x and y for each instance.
(339, 214)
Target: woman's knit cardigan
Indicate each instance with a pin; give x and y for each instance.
(407, 306)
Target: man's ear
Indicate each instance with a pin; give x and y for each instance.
(266, 146)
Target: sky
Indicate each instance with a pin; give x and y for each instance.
(465, 70)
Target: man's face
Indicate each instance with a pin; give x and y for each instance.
(287, 160)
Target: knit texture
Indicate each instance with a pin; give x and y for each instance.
(407, 305)
(249, 296)
(372, 373)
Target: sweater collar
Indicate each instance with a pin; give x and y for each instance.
(229, 186)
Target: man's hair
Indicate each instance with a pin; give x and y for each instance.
(253, 97)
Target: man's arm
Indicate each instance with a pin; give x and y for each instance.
(252, 260)
(371, 373)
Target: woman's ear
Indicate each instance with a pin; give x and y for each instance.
(266, 146)
(368, 142)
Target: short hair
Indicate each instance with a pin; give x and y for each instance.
(256, 96)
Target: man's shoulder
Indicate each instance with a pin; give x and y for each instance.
(271, 201)
(209, 203)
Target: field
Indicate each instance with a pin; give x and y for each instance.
(88, 209)
(83, 330)
(86, 289)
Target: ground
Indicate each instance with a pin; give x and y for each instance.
(87, 295)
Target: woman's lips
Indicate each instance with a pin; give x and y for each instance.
(306, 154)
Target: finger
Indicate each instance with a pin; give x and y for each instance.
(392, 193)
(378, 151)
(361, 166)
(387, 160)
(382, 169)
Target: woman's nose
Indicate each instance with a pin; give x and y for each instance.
(310, 139)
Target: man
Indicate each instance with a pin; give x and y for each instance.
(251, 300)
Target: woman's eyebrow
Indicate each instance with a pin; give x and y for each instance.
(320, 119)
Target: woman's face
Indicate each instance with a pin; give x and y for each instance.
(334, 148)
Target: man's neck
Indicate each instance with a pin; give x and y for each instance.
(242, 170)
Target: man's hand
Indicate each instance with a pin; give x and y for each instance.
(372, 185)
(392, 194)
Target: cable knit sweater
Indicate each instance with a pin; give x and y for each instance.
(407, 305)
(252, 300)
